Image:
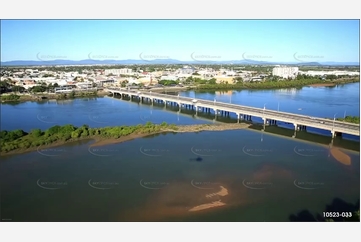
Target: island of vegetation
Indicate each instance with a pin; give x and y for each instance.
(19, 141)
(21, 97)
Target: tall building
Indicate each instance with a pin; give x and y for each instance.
(285, 72)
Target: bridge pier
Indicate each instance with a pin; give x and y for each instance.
(336, 134)
(299, 127)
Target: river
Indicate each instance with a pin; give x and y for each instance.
(251, 175)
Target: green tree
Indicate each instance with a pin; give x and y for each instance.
(18, 89)
(36, 133)
(72, 94)
(36, 89)
(53, 130)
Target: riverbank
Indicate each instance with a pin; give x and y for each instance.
(258, 85)
(26, 97)
(323, 85)
(102, 140)
(268, 85)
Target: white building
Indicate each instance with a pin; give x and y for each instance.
(117, 72)
(169, 78)
(285, 72)
(84, 84)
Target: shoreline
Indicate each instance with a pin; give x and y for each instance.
(323, 85)
(102, 141)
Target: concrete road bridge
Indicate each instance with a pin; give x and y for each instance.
(300, 122)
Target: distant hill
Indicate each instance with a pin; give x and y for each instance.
(165, 62)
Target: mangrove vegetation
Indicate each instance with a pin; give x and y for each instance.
(19, 139)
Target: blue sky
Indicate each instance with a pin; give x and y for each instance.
(265, 40)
